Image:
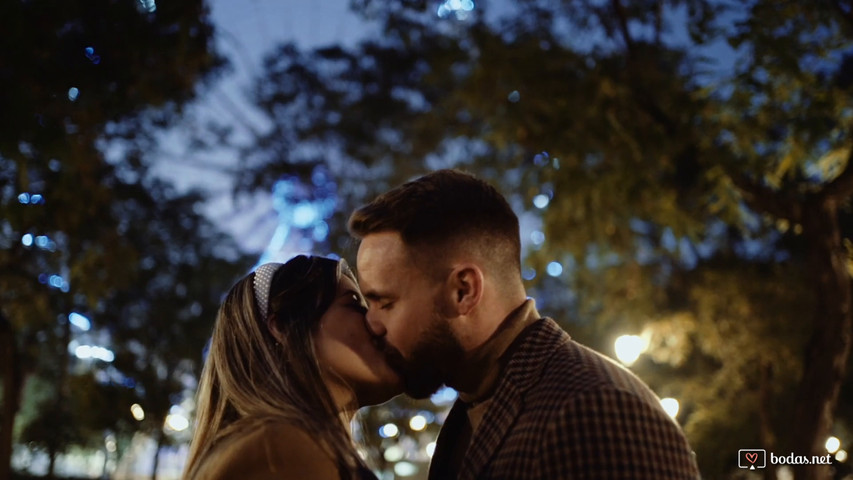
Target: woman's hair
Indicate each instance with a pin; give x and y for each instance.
(251, 377)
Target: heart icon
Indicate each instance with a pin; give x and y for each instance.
(752, 457)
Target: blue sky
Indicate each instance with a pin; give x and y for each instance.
(246, 31)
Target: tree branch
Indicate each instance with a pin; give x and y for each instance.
(621, 17)
(765, 200)
(847, 16)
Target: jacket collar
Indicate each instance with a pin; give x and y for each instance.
(528, 355)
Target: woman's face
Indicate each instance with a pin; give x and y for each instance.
(346, 352)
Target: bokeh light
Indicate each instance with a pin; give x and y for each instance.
(444, 396)
(137, 412)
(79, 321)
(177, 422)
(555, 269)
(405, 469)
(418, 423)
(85, 352)
(832, 444)
(629, 348)
(394, 453)
(670, 406)
(389, 430)
(459, 8)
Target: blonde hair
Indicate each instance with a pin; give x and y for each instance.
(250, 377)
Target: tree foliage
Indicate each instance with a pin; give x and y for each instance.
(689, 162)
(79, 80)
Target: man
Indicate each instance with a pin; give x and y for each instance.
(439, 263)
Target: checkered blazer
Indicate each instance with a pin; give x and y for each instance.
(564, 411)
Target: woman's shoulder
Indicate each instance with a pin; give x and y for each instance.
(272, 450)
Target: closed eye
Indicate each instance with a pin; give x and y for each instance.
(358, 307)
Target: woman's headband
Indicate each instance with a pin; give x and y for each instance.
(262, 281)
(265, 273)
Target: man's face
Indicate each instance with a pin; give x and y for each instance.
(404, 315)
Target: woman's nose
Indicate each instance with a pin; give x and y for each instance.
(376, 328)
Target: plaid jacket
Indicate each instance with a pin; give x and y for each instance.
(563, 411)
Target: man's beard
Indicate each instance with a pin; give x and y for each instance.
(435, 355)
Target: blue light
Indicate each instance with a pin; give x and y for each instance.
(541, 201)
(43, 278)
(429, 416)
(445, 396)
(461, 8)
(37, 199)
(79, 321)
(555, 269)
(514, 96)
(528, 273)
(319, 178)
(42, 241)
(321, 231)
(73, 93)
(389, 430)
(55, 281)
(537, 237)
(90, 54)
(304, 215)
(27, 240)
(24, 198)
(541, 159)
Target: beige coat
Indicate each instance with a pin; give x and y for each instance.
(272, 452)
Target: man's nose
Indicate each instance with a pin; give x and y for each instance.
(377, 329)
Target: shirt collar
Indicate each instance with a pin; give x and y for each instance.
(478, 378)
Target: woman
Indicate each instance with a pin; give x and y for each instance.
(290, 362)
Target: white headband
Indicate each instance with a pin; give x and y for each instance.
(263, 278)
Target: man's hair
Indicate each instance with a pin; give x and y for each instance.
(443, 211)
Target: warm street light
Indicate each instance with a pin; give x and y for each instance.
(418, 423)
(832, 444)
(670, 406)
(137, 412)
(177, 422)
(628, 348)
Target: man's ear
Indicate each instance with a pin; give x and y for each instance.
(466, 284)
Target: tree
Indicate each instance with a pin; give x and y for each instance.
(74, 77)
(667, 185)
(162, 320)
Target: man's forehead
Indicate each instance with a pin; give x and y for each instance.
(380, 251)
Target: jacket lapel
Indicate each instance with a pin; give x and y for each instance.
(446, 443)
(528, 357)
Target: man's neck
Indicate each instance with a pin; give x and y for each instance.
(478, 377)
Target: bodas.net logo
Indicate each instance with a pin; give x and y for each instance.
(751, 458)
